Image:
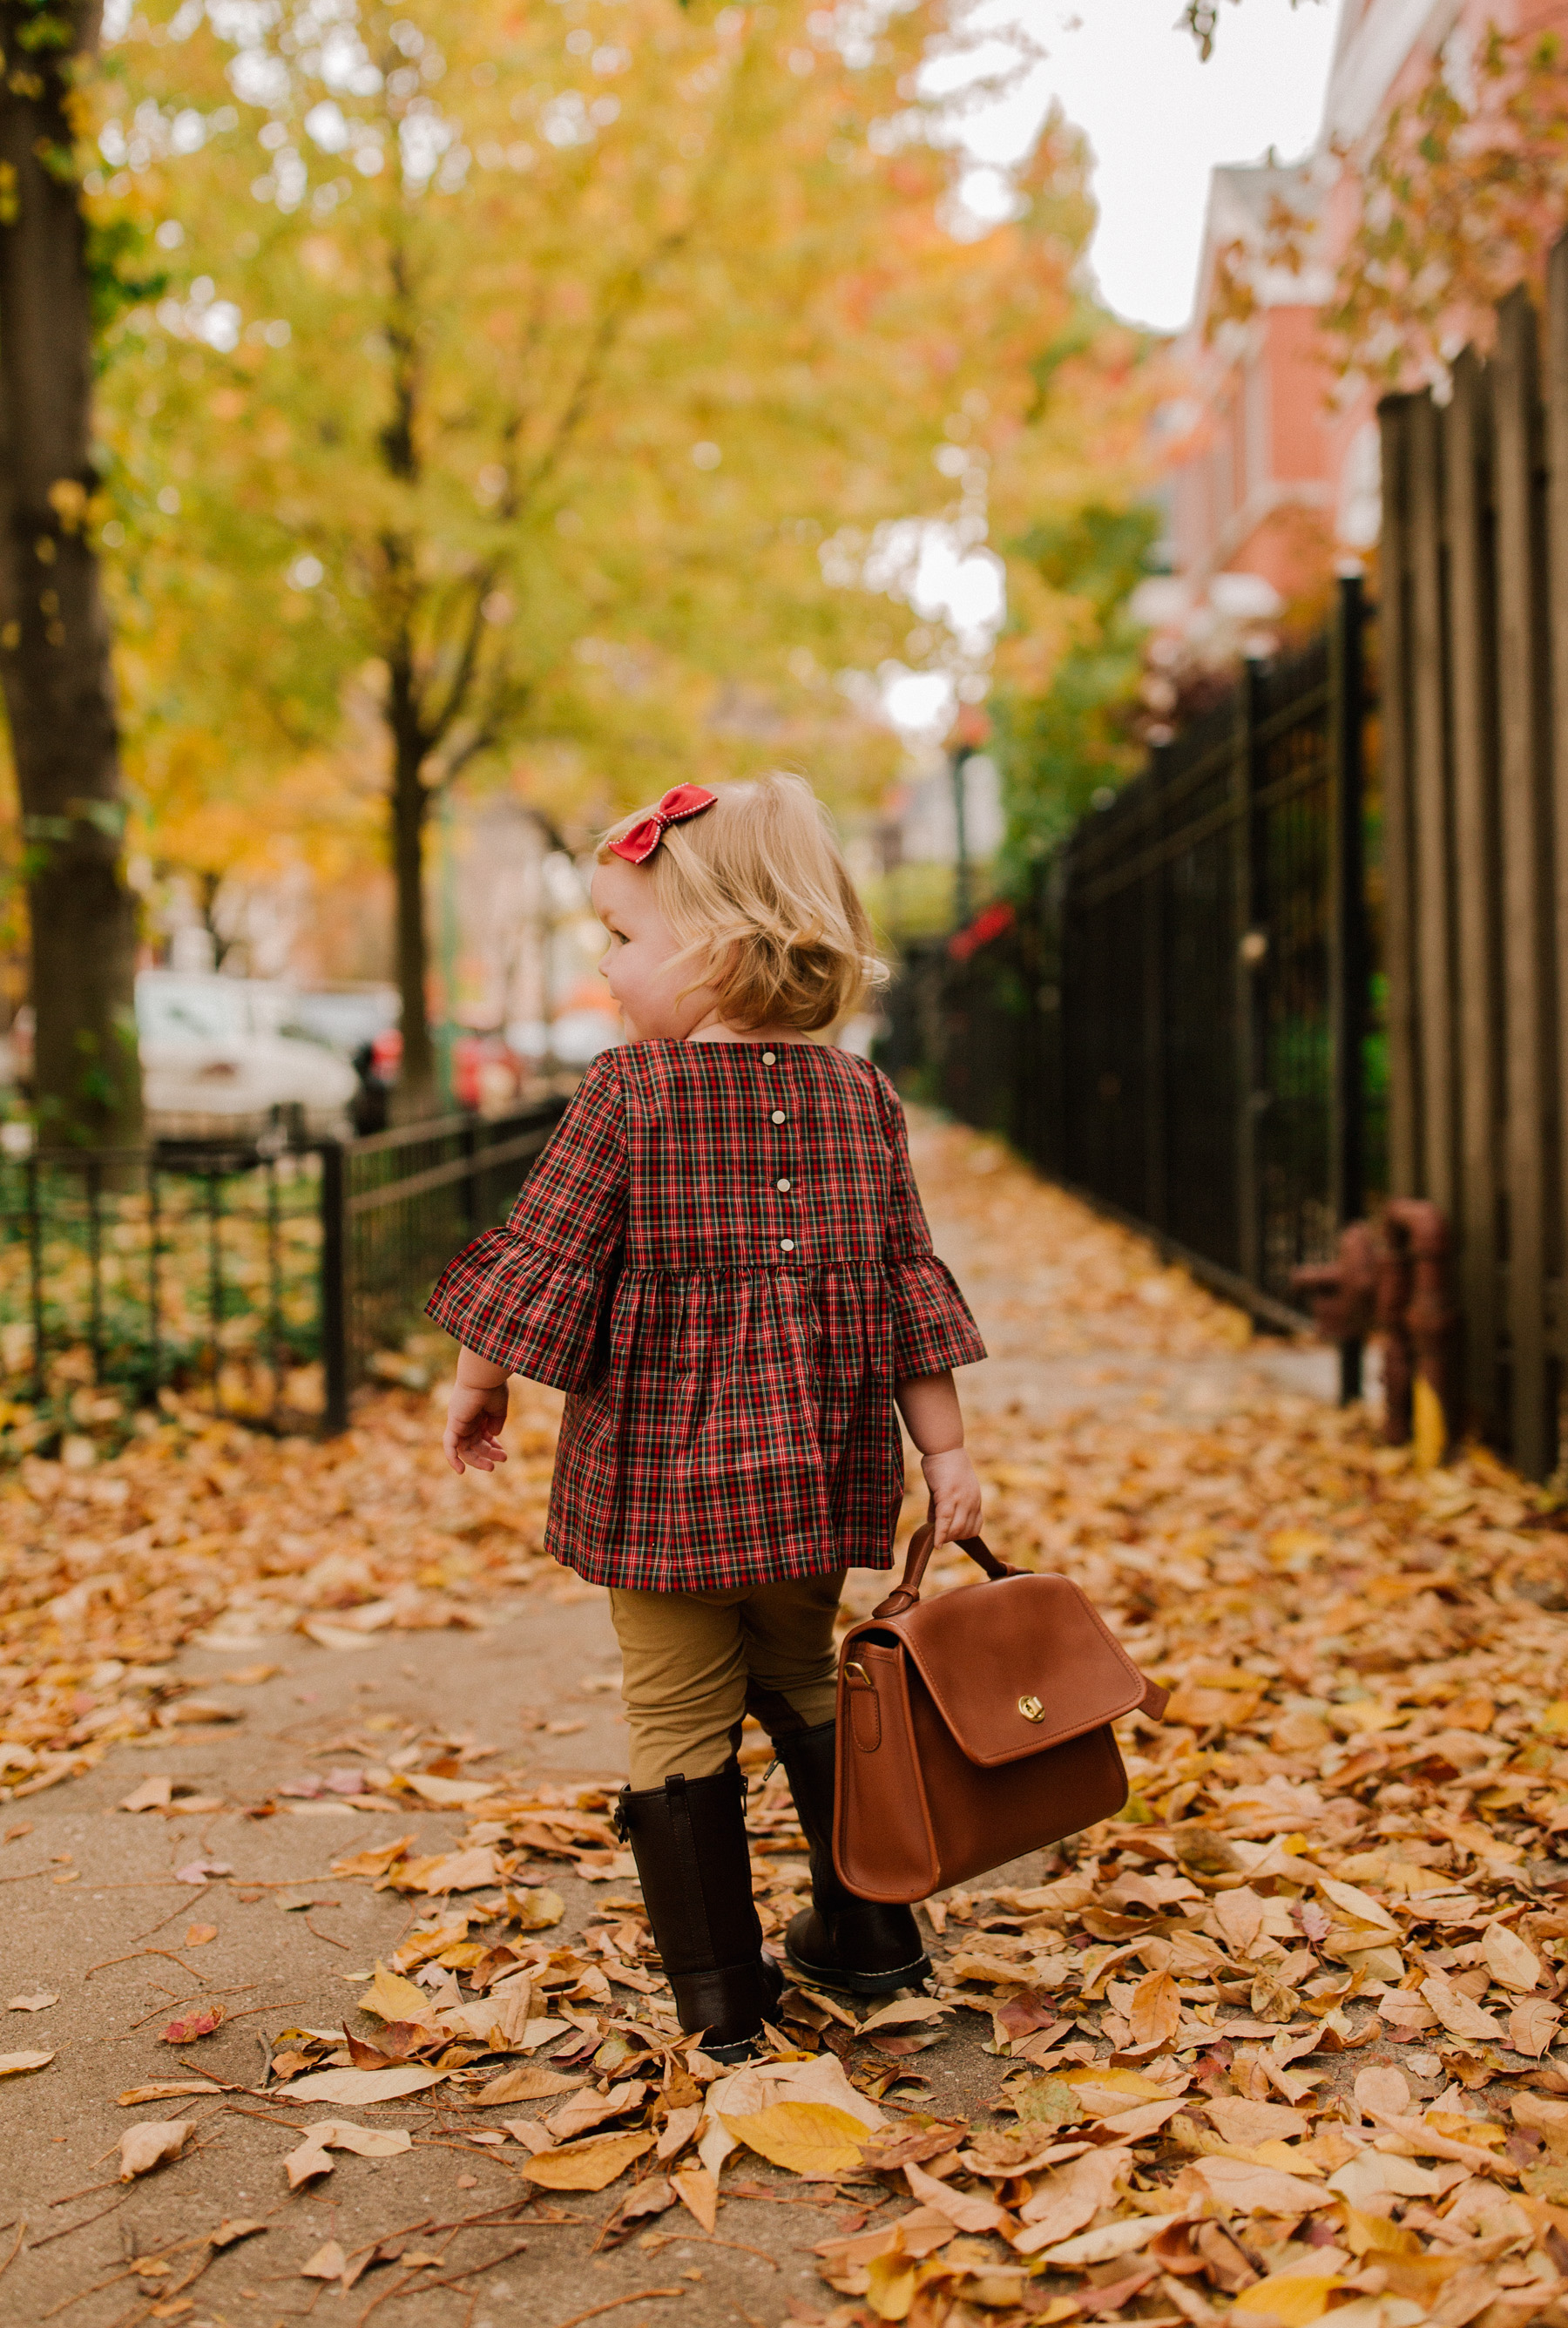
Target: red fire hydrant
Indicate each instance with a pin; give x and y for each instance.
(1393, 1281)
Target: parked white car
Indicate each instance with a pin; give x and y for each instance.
(219, 1055)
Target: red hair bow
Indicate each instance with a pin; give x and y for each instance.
(638, 844)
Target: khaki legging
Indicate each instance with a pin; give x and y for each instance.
(694, 1663)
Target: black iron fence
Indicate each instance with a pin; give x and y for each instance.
(1182, 1024)
(261, 1286)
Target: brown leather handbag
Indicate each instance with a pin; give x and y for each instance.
(975, 1727)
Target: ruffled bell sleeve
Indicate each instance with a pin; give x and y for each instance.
(532, 1297)
(932, 1329)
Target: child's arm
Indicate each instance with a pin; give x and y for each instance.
(474, 1414)
(930, 1408)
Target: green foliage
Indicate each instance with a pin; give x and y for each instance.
(116, 255)
(1057, 747)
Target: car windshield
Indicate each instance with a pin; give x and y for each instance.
(192, 1009)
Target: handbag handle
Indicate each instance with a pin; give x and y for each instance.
(921, 1543)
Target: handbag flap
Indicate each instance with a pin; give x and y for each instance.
(1018, 1664)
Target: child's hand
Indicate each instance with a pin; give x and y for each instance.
(473, 1421)
(954, 1495)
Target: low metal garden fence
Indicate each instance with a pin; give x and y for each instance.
(262, 1282)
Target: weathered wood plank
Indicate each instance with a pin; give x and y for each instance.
(1530, 1064)
(1555, 389)
(1431, 834)
(1473, 714)
(1399, 901)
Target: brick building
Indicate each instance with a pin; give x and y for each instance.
(1270, 471)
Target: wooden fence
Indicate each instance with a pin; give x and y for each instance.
(1475, 661)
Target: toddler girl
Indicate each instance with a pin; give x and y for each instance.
(722, 1257)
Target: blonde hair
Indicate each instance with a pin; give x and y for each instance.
(757, 889)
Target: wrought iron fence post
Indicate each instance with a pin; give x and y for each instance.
(35, 1277)
(1348, 956)
(335, 1291)
(1248, 957)
(1156, 1148)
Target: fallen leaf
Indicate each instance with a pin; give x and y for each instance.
(590, 2165)
(202, 1871)
(1541, 2114)
(1156, 2010)
(250, 1676)
(653, 2197)
(391, 1997)
(446, 1794)
(16, 2065)
(808, 2138)
(529, 2085)
(358, 2087)
(143, 2147)
(311, 2159)
(536, 1911)
(1230, 2186)
(677, 2131)
(454, 1871)
(152, 1794)
(1293, 2298)
(39, 2001)
(232, 2229)
(1246, 2122)
(165, 2089)
(964, 2210)
(698, 2191)
(203, 2022)
(1511, 1964)
(1533, 2026)
(1070, 2198)
(328, 2262)
(904, 2012)
(198, 1934)
(588, 2110)
(1460, 2014)
(1109, 2242)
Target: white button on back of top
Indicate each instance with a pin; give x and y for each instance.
(778, 1115)
(785, 1186)
(768, 1057)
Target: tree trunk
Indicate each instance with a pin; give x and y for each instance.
(416, 1094)
(55, 645)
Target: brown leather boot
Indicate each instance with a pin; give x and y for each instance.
(688, 1838)
(842, 1943)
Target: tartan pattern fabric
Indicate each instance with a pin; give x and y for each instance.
(722, 1257)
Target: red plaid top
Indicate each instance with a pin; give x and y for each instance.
(722, 1256)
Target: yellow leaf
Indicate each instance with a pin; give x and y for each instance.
(391, 1997)
(891, 2286)
(804, 2138)
(1428, 1433)
(1156, 2010)
(1291, 2298)
(536, 1911)
(587, 2166)
(1102, 2088)
(16, 2065)
(698, 2191)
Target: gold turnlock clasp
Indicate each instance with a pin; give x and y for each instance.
(1031, 1709)
(858, 1675)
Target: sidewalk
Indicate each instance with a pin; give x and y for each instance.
(1357, 1783)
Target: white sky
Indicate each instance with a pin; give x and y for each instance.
(1158, 120)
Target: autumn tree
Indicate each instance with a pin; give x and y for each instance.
(54, 643)
(524, 363)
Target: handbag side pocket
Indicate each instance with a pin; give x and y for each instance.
(883, 1844)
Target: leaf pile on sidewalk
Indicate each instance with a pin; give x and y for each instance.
(107, 1572)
